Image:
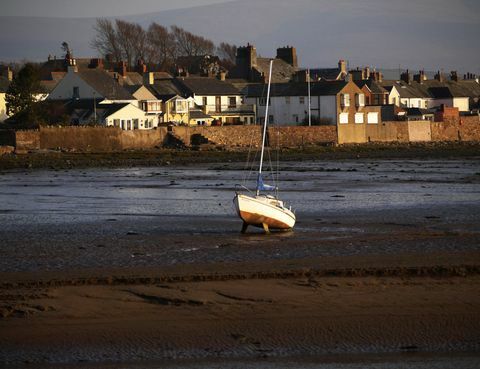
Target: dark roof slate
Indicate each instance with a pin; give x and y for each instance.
(165, 89)
(198, 114)
(281, 72)
(329, 74)
(322, 88)
(105, 84)
(206, 86)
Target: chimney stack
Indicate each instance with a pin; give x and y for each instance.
(406, 77)
(357, 74)
(420, 77)
(289, 55)
(149, 78)
(122, 69)
(222, 75)
(96, 63)
(7, 73)
(342, 65)
(141, 67)
(454, 76)
(376, 76)
(439, 77)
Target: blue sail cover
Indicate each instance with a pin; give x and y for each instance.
(262, 186)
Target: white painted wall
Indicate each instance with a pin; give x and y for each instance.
(462, 103)
(64, 89)
(211, 101)
(3, 107)
(394, 97)
(286, 111)
(128, 114)
(415, 102)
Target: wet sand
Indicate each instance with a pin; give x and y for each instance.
(406, 303)
(123, 266)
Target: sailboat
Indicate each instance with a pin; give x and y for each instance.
(262, 209)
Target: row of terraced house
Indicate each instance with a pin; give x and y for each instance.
(110, 94)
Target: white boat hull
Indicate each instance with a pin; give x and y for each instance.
(261, 211)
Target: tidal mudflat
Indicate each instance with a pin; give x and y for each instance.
(141, 265)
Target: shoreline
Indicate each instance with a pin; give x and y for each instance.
(51, 159)
(416, 303)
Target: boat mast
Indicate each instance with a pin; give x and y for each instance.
(265, 125)
(309, 101)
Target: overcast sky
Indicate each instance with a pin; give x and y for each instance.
(93, 8)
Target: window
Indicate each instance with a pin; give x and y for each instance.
(154, 106)
(116, 122)
(344, 100)
(123, 125)
(232, 102)
(205, 101)
(295, 118)
(302, 100)
(287, 99)
(359, 100)
(359, 118)
(135, 124)
(343, 118)
(372, 118)
(76, 92)
(181, 106)
(270, 119)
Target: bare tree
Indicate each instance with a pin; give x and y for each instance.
(161, 46)
(106, 39)
(189, 44)
(125, 36)
(227, 52)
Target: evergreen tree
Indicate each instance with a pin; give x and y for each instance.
(20, 97)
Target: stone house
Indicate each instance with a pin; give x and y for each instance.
(254, 69)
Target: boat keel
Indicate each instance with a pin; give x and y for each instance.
(266, 228)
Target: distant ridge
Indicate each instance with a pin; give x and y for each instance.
(370, 32)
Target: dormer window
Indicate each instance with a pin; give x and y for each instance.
(345, 100)
(359, 100)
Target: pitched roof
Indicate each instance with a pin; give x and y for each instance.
(408, 91)
(165, 90)
(435, 89)
(83, 109)
(107, 86)
(206, 86)
(131, 78)
(329, 74)
(281, 71)
(322, 88)
(198, 114)
(373, 86)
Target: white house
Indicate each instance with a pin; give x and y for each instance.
(123, 115)
(218, 99)
(4, 83)
(95, 84)
(331, 102)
